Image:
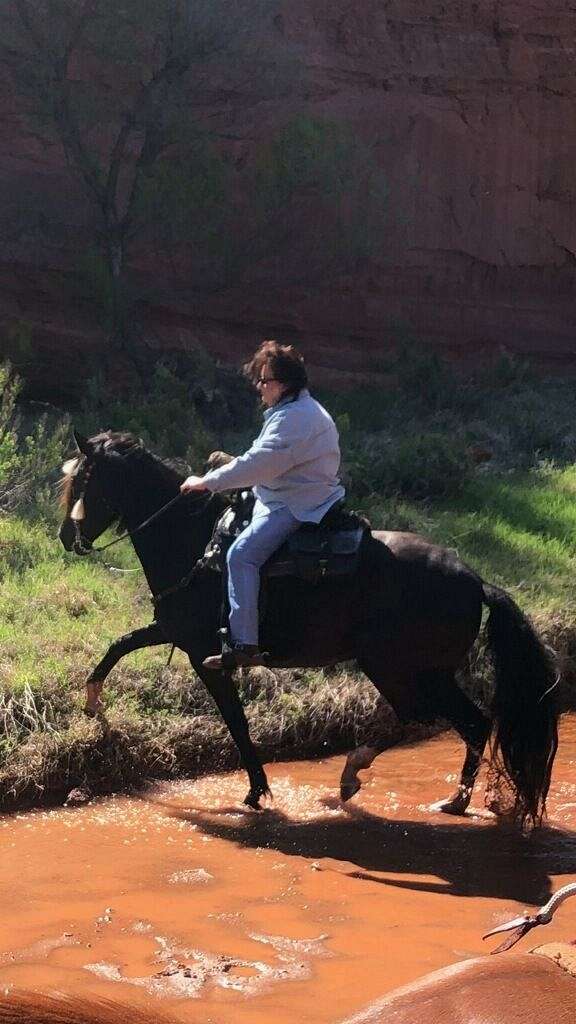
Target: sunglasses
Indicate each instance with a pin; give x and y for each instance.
(265, 380)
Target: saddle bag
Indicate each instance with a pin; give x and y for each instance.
(317, 552)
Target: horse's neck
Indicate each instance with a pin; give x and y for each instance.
(170, 546)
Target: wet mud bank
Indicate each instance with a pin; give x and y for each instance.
(290, 717)
(177, 733)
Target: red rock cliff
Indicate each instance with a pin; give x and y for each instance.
(470, 108)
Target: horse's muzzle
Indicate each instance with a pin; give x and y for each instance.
(81, 546)
(72, 539)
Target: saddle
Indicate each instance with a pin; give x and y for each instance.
(313, 552)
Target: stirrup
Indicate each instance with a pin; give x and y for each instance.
(236, 656)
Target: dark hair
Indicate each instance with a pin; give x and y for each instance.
(285, 363)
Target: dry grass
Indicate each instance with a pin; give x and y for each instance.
(290, 715)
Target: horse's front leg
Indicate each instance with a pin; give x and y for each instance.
(148, 636)
(221, 687)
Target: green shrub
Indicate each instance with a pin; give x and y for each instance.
(417, 466)
(29, 461)
(427, 412)
(429, 465)
(507, 371)
(9, 388)
(321, 177)
(184, 410)
(22, 545)
(425, 379)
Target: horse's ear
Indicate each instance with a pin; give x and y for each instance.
(82, 443)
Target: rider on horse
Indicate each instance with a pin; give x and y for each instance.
(292, 467)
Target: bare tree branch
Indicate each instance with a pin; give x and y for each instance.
(87, 13)
(77, 155)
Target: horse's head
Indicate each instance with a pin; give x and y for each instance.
(93, 488)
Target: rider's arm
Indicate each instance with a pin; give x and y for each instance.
(280, 446)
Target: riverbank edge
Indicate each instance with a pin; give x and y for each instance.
(291, 715)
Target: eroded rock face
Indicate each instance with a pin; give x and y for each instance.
(470, 110)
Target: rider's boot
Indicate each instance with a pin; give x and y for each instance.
(237, 656)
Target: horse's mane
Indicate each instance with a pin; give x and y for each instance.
(31, 1008)
(125, 444)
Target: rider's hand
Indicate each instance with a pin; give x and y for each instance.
(193, 483)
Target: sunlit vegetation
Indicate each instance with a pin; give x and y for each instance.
(511, 516)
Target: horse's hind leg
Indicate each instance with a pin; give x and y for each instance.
(399, 692)
(470, 723)
(436, 689)
(148, 636)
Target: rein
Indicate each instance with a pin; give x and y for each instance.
(77, 519)
(183, 582)
(127, 533)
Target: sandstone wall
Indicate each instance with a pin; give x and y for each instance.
(471, 110)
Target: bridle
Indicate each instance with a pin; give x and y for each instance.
(78, 514)
(81, 547)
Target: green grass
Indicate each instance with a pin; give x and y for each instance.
(58, 613)
(55, 610)
(517, 530)
(407, 464)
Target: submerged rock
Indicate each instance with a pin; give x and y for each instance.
(78, 796)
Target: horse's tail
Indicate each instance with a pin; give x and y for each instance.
(524, 709)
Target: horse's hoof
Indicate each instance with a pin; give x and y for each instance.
(256, 795)
(78, 796)
(455, 807)
(356, 761)
(93, 712)
(349, 789)
(253, 801)
(94, 706)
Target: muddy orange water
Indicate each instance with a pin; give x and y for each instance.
(304, 913)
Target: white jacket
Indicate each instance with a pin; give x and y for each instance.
(293, 462)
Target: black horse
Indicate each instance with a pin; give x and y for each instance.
(408, 617)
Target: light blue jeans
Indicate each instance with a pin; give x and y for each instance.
(266, 532)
